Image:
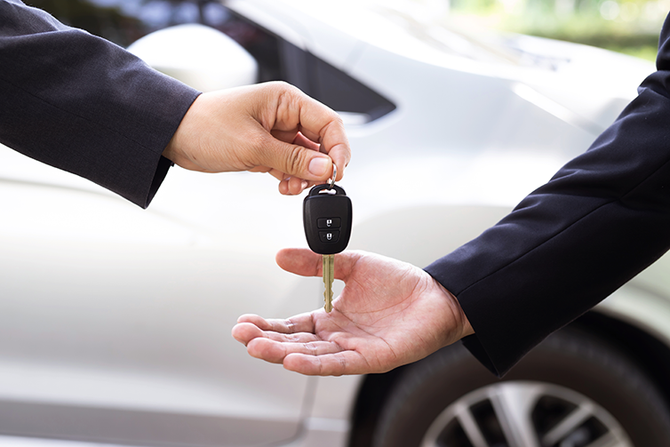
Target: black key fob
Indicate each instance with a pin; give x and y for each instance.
(327, 216)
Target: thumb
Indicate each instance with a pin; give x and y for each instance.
(301, 261)
(296, 161)
(305, 262)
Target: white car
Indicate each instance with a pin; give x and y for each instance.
(115, 321)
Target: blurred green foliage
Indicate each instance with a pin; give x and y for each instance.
(628, 26)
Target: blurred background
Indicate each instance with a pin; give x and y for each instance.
(147, 358)
(125, 21)
(627, 26)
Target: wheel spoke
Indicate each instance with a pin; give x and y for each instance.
(513, 404)
(569, 424)
(610, 440)
(470, 426)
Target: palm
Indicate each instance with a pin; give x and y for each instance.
(390, 313)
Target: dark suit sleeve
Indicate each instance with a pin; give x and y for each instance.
(603, 218)
(85, 105)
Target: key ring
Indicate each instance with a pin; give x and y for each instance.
(331, 181)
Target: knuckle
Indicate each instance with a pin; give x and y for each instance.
(337, 120)
(281, 89)
(295, 160)
(309, 347)
(290, 326)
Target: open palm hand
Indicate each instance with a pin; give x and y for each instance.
(390, 313)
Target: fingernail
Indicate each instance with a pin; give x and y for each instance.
(318, 166)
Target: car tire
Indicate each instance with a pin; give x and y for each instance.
(573, 390)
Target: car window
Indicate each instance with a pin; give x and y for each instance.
(125, 21)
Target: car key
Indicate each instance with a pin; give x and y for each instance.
(327, 216)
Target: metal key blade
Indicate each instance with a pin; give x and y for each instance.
(328, 277)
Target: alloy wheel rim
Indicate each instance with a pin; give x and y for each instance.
(525, 414)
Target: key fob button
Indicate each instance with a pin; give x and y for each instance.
(328, 222)
(329, 237)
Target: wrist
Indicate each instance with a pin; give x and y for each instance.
(177, 148)
(461, 318)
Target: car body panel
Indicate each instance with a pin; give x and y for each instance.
(73, 336)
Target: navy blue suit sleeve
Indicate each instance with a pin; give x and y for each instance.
(603, 218)
(85, 105)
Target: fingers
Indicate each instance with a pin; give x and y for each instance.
(273, 340)
(302, 140)
(301, 352)
(275, 352)
(295, 160)
(298, 323)
(319, 123)
(310, 357)
(296, 112)
(330, 364)
(292, 186)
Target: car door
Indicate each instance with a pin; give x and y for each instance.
(115, 321)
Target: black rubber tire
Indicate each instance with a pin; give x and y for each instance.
(570, 359)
